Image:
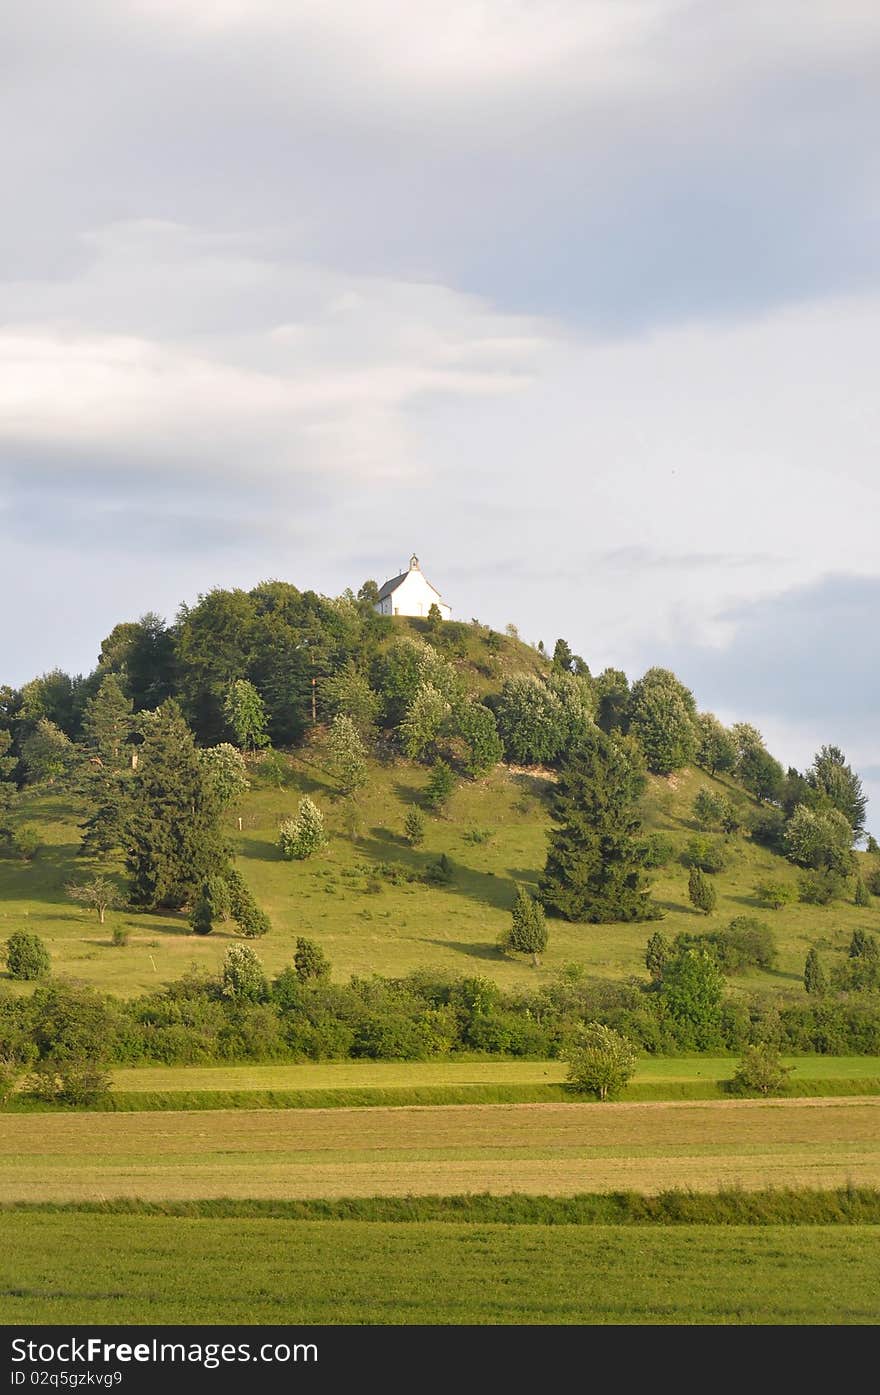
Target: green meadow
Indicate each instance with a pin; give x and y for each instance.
(70, 1268)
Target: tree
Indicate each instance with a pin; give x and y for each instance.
(310, 961)
(833, 779)
(600, 1061)
(140, 654)
(348, 758)
(563, 658)
(703, 896)
(98, 893)
(531, 720)
(303, 836)
(171, 816)
(414, 828)
(435, 619)
(819, 838)
(27, 958)
(716, 748)
(815, 981)
(348, 693)
(657, 954)
(274, 767)
(861, 896)
(593, 870)
(527, 933)
(47, 754)
(201, 920)
(243, 977)
(477, 727)
(245, 714)
(692, 993)
(424, 721)
(107, 721)
(760, 1072)
(757, 769)
(612, 694)
(663, 717)
(440, 785)
(252, 922)
(872, 846)
(226, 771)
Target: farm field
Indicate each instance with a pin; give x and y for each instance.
(554, 1149)
(155, 1269)
(387, 1074)
(494, 832)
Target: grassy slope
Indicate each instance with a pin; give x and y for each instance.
(400, 928)
(552, 1149)
(159, 1269)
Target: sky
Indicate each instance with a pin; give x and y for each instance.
(577, 299)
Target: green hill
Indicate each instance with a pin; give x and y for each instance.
(364, 900)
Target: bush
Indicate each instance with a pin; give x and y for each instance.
(656, 850)
(27, 958)
(243, 975)
(820, 888)
(79, 1082)
(26, 842)
(705, 854)
(440, 873)
(310, 962)
(774, 895)
(872, 881)
(746, 943)
(120, 936)
(601, 1061)
(760, 1072)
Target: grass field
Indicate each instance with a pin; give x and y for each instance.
(394, 929)
(555, 1149)
(135, 1269)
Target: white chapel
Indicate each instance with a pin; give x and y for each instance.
(411, 594)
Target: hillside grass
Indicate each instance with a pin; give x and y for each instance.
(170, 1270)
(367, 925)
(552, 1149)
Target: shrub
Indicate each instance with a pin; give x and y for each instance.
(861, 896)
(872, 881)
(120, 935)
(656, 850)
(440, 873)
(746, 943)
(200, 921)
(79, 1082)
(820, 888)
(26, 842)
(601, 1061)
(774, 895)
(478, 835)
(760, 1072)
(711, 809)
(27, 958)
(705, 854)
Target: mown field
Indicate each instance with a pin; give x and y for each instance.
(495, 833)
(554, 1149)
(69, 1268)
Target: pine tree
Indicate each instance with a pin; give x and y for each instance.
(107, 721)
(172, 828)
(657, 953)
(527, 933)
(593, 870)
(862, 896)
(815, 981)
(440, 785)
(252, 922)
(201, 921)
(701, 891)
(414, 828)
